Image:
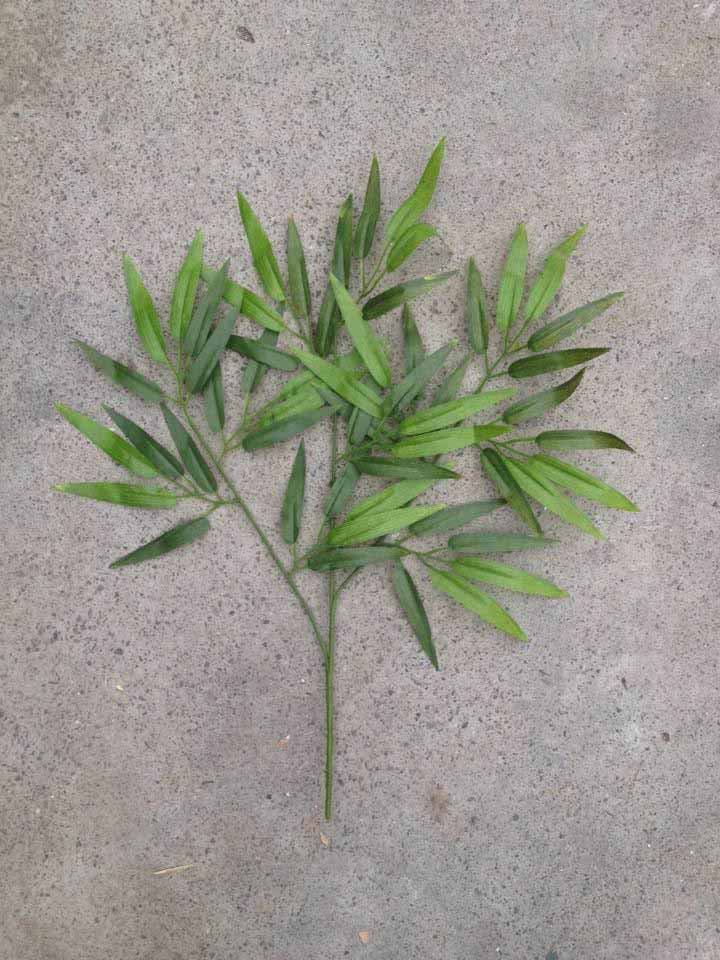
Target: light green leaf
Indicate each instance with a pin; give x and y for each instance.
(300, 402)
(194, 462)
(366, 343)
(359, 426)
(350, 558)
(299, 286)
(580, 440)
(262, 252)
(407, 243)
(365, 230)
(551, 277)
(569, 323)
(450, 387)
(537, 486)
(511, 578)
(445, 441)
(160, 457)
(418, 202)
(122, 375)
(550, 362)
(508, 488)
(447, 414)
(203, 315)
(261, 353)
(342, 490)
(512, 280)
(414, 349)
(584, 484)
(214, 400)
(376, 524)
(144, 313)
(390, 497)
(539, 403)
(254, 372)
(183, 296)
(110, 443)
(294, 499)
(402, 293)
(411, 386)
(403, 469)
(342, 383)
(494, 542)
(247, 303)
(477, 319)
(450, 518)
(284, 429)
(208, 357)
(414, 610)
(329, 315)
(123, 494)
(476, 601)
(179, 536)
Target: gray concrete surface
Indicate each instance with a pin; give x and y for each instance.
(558, 801)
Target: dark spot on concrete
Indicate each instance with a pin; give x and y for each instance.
(245, 35)
(666, 736)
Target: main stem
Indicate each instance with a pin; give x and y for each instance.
(333, 595)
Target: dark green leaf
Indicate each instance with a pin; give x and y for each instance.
(342, 490)
(365, 230)
(493, 542)
(407, 243)
(208, 357)
(122, 375)
(254, 372)
(258, 351)
(412, 385)
(123, 494)
(402, 293)
(550, 362)
(475, 600)
(285, 429)
(190, 455)
(262, 252)
(536, 485)
(580, 440)
(144, 313)
(247, 303)
(446, 441)
(450, 387)
(361, 333)
(511, 578)
(376, 524)
(447, 414)
(418, 202)
(392, 496)
(414, 610)
(539, 403)
(179, 536)
(477, 319)
(403, 469)
(349, 558)
(110, 443)
(450, 518)
(551, 277)
(508, 488)
(205, 312)
(412, 341)
(300, 300)
(155, 452)
(585, 484)
(569, 323)
(358, 426)
(342, 383)
(294, 499)
(214, 400)
(183, 296)
(328, 317)
(512, 280)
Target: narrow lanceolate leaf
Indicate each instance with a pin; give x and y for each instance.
(204, 363)
(569, 323)
(512, 280)
(299, 287)
(308, 399)
(411, 386)
(551, 277)
(511, 578)
(179, 536)
(123, 494)
(204, 313)
(261, 353)
(247, 303)
(392, 496)
(508, 487)
(183, 297)
(477, 319)
(402, 293)
(285, 429)
(493, 542)
(329, 314)
(342, 383)
(342, 490)
(580, 440)
(445, 441)
(536, 485)
(550, 362)
(585, 484)
(412, 341)
(451, 385)
(359, 426)
(262, 252)
(144, 313)
(294, 499)
(451, 518)
(122, 375)
(194, 462)
(377, 524)
(407, 243)
(418, 202)
(361, 333)
(475, 600)
(348, 558)
(403, 469)
(539, 403)
(414, 610)
(365, 230)
(254, 372)
(155, 452)
(447, 414)
(110, 443)
(214, 400)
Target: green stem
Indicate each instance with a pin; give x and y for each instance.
(333, 596)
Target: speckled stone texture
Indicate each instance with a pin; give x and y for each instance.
(556, 801)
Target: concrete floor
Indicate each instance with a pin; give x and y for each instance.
(557, 801)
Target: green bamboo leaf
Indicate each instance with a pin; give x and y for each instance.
(254, 372)
(365, 230)
(329, 314)
(411, 386)
(151, 449)
(366, 343)
(262, 253)
(359, 426)
(451, 385)
(418, 202)
(539, 403)
(508, 488)
(194, 462)
(122, 375)
(512, 280)
(585, 484)
(214, 400)
(285, 429)
(110, 443)
(447, 414)
(183, 296)
(477, 319)
(445, 441)
(551, 277)
(494, 542)
(412, 341)
(179, 536)
(580, 440)
(414, 610)
(550, 362)
(376, 524)
(407, 243)
(342, 383)
(402, 293)
(294, 499)
(123, 494)
(451, 518)
(350, 558)
(247, 303)
(144, 313)
(342, 490)
(258, 351)
(390, 497)
(476, 601)
(208, 357)
(298, 284)
(569, 323)
(205, 312)
(536, 485)
(403, 469)
(300, 402)
(511, 578)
